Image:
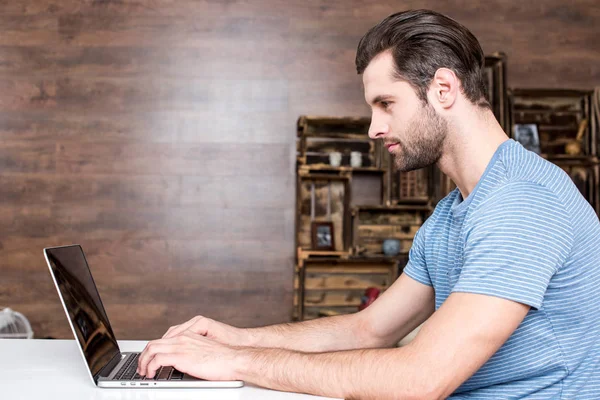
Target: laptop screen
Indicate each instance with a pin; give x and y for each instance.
(83, 305)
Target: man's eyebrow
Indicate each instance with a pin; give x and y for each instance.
(380, 98)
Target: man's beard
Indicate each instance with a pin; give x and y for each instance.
(423, 141)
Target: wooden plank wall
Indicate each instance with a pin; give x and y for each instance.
(160, 136)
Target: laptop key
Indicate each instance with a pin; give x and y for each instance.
(164, 374)
(131, 367)
(127, 371)
(176, 375)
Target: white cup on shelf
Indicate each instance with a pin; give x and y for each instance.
(356, 159)
(335, 158)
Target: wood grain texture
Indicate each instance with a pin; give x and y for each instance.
(160, 135)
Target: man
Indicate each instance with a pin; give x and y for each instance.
(506, 271)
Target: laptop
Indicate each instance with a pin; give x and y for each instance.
(107, 364)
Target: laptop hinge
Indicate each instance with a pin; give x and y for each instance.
(105, 371)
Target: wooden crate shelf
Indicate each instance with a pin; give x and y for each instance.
(334, 281)
(320, 136)
(373, 225)
(559, 114)
(329, 286)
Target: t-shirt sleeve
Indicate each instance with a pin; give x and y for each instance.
(515, 243)
(416, 268)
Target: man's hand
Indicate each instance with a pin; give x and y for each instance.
(191, 353)
(212, 329)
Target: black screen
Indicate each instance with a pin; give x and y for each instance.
(83, 305)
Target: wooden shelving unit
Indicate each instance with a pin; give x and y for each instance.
(333, 282)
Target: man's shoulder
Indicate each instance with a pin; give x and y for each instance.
(522, 167)
(520, 196)
(522, 209)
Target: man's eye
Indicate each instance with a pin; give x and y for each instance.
(385, 104)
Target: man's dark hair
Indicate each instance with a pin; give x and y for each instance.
(421, 42)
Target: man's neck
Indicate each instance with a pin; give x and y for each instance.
(469, 148)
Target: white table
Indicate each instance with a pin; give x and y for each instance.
(54, 369)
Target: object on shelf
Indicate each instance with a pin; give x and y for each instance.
(14, 325)
(356, 159)
(371, 294)
(335, 158)
(527, 135)
(575, 147)
(323, 236)
(391, 247)
(373, 225)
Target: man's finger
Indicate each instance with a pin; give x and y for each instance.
(196, 322)
(142, 354)
(150, 352)
(180, 328)
(195, 336)
(161, 360)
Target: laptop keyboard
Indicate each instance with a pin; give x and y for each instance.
(127, 372)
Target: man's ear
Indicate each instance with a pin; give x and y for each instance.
(444, 88)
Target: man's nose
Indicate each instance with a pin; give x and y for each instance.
(377, 130)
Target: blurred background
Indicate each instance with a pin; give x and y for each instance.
(161, 136)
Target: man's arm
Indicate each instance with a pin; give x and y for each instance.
(399, 310)
(452, 345)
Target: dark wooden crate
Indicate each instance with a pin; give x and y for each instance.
(332, 189)
(372, 225)
(330, 287)
(559, 115)
(319, 136)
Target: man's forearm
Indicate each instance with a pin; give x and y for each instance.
(356, 374)
(343, 332)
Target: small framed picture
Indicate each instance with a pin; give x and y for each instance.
(527, 135)
(322, 235)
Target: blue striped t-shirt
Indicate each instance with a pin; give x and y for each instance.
(525, 234)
